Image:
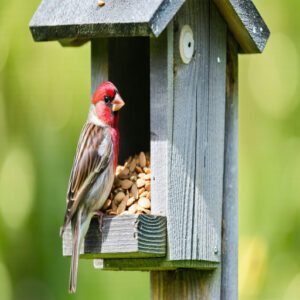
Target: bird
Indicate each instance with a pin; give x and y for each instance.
(93, 170)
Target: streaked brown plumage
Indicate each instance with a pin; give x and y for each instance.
(92, 174)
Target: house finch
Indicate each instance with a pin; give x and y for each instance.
(93, 169)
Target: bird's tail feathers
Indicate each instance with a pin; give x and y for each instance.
(76, 235)
(61, 231)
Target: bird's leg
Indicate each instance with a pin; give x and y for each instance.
(100, 216)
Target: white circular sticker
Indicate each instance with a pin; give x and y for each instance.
(186, 44)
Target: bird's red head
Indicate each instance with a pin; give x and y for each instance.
(107, 102)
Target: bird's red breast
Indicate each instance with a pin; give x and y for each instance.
(115, 136)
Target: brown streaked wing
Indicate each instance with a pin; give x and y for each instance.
(87, 165)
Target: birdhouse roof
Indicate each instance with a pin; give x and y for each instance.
(83, 20)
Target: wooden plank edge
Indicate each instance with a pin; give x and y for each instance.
(229, 286)
(152, 264)
(122, 236)
(245, 23)
(121, 255)
(87, 31)
(164, 15)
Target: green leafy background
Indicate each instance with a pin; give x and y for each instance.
(44, 92)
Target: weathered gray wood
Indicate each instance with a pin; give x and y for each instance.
(229, 290)
(75, 21)
(195, 196)
(68, 19)
(122, 236)
(99, 62)
(195, 202)
(209, 171)
(152, 264)
(164, 15)
(181, 212)
(161, 111)
(246, 24)
(129, 70)
(182, 284)
(214, 149)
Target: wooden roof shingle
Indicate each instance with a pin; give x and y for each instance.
(83, 20)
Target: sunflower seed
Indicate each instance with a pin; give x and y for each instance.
(144, 202)
(142, 159)
(126, 184)
(133, 208)
(119, 197)
(140, 182)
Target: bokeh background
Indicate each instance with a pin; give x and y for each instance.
(44, 92)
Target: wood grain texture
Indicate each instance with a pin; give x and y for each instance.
(209, 171)
(181, 211)
(68, 19)
(164, 15)
(182, 284)
(75, 21)
(195, 202)
(245, 23)
(122, 236)
(196, 175)
(99, 62)
(152, 264)
(229, 290)
(161, 110)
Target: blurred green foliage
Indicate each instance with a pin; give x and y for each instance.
(44, 100)
(269, 161)
(44, 92)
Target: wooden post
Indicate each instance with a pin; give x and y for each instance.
(184, 284)
(229, 286)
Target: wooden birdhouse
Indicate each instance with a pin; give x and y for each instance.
(175, 64)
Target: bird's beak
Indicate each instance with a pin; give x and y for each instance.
(117, 103)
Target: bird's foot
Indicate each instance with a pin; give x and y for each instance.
(100, 216)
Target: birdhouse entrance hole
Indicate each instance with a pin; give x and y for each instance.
(128, 68)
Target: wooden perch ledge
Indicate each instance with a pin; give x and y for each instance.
(125, 236)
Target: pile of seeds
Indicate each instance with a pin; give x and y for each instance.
(131, 190)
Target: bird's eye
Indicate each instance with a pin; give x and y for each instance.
(106, 99)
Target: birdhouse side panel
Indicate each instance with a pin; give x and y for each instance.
(161, 104)
(194, 205)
